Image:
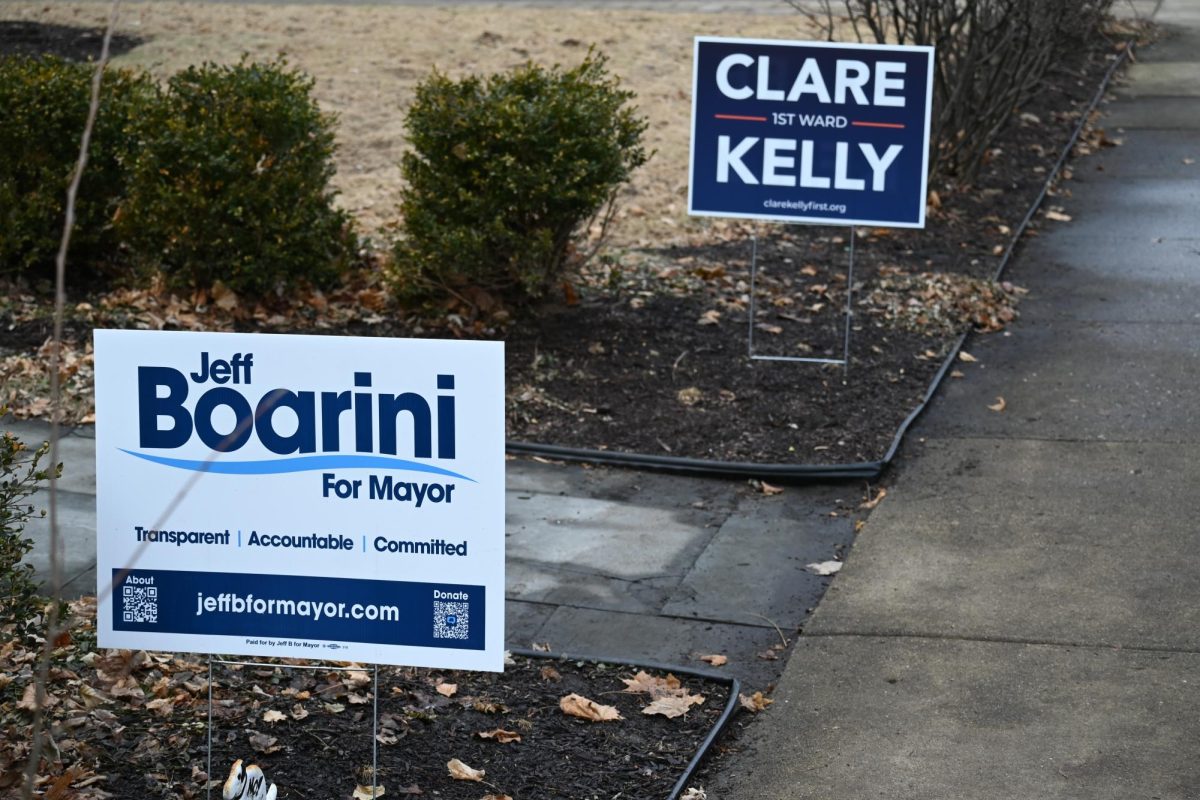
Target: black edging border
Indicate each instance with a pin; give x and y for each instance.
(866, 470)
(733, 683)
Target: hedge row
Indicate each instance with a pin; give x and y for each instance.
(223, 173)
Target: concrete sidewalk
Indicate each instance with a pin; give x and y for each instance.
(1021, 616)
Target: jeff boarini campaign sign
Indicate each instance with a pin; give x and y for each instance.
(301, 496)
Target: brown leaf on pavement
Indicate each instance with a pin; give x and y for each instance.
(870, 502)
(967, 357)
(999, 405)
(755, 702)
(575, 705)
(716, 660)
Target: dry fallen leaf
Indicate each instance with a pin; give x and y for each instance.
(263, 743)
(999, 405)
(575, 705)
(299, 712)
(694, 794)
(870, 504)
(551, 674)
(824, 567)
(461, 772)
(496, 797)
(365, 793)
(645, 683)
(1058, 216)
(689, 396)
(500, 735)
(755, 703)
(967, 357)
(715, 659)
(769, 490)
(672, 707)
(446, 689)
(956, 374)
(224, 298)
(710, 317)
(272, 716)
(488, 707)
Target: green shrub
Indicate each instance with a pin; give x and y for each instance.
(43, 108)
(234, 185)
(20, 605)
(503, 171)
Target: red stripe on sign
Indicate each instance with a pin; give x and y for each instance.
(742, 119)
(878, 124)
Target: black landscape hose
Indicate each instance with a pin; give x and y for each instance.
(866, 470)
(734, 685)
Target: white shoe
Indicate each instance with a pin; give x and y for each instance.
(247, 783)
(235, 784)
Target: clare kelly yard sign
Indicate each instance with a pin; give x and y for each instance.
(810, 131)
(301, 496)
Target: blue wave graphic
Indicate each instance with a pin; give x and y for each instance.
(299, 464)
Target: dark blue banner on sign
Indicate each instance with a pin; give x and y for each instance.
(810, 131)
(291, 610)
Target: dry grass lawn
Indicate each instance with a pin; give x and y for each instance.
(367, 59)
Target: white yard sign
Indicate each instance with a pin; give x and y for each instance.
(301, 496)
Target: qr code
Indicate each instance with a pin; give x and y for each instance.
(141, 603)
(451, 620)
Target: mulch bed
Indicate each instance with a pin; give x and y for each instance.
(660, 365)
(131, 724)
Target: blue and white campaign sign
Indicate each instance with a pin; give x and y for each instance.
(301, 496)
(810, 131)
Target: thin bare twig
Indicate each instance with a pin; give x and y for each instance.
(60, 296)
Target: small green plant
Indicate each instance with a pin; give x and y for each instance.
(43, 108)
(504, 170)
(234, 184)
(21, 606)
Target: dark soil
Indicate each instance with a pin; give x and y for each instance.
(18, 37)
(322, 754)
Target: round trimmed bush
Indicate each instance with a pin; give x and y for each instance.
(234, 184)
(43, 109)
(504, 170)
